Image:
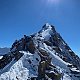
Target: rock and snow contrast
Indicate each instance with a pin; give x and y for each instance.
(41, 56)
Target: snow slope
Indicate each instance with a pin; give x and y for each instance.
(47, 42)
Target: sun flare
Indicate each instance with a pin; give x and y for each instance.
(53, 1)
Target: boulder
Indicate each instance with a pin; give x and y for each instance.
(41, 70)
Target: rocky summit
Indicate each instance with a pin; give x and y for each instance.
(41, 56)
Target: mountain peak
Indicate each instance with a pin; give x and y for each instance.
(48, 26)
(46, 32)
(42, 56)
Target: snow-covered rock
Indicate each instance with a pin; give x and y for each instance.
(1, 57)
(45, 55)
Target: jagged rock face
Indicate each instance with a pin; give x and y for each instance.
(61, 47)
(7, 58)
(64, 50)
(43, 55)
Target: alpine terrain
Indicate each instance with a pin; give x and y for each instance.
(4, 50)
(41, 56)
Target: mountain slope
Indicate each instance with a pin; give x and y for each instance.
(41, 56)
(4, 50)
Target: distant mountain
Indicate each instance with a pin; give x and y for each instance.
(41, 56)
(4, 50)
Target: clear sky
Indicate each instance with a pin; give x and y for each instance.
(19, 17)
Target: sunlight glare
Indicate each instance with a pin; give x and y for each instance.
(53, 1)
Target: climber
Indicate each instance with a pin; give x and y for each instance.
(41, 70)
(43, 66)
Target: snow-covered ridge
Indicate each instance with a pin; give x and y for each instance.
(44, 56)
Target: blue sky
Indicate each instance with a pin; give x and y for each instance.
(19, 17)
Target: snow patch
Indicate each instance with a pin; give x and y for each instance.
(1, 57)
